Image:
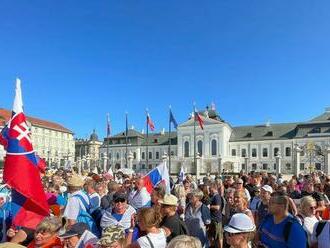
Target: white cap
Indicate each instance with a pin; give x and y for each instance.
(240, 223)
(267, 188)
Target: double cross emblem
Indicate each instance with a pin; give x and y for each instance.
(23, 131)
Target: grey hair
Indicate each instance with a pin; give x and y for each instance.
(184, 241)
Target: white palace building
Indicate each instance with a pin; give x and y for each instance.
(288, 148)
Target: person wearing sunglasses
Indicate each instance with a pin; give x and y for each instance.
(240, 231)
(307, 216)
(119, 214)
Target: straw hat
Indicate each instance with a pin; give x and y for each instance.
(170, 200)
(75, 181)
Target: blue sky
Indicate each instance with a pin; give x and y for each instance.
(256, 60)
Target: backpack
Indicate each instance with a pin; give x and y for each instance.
(287, 229)
(183, 228)
(319, 227)
(85, 217)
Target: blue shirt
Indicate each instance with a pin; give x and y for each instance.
(272, 235)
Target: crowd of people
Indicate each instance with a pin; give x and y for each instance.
(247, 210)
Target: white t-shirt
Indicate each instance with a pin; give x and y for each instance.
(309, 223)
(157, 239)
(323, 239)
(74, 204)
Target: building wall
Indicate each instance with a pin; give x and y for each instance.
(52, 145)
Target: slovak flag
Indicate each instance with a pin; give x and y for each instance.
(21, 169)
(150, 123)
(157, 175)
(199, 119)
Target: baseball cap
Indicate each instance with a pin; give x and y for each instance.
(76, 229)
(240, 223)
(267, 188)
(169, 199)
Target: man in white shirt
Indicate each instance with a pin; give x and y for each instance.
(139, 197)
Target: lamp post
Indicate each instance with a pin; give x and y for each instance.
(219, 165)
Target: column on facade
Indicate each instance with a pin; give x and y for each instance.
(198, 166)
(297, 158)
(130, 160)
(78, 163)
(104, 161)
(278, 163)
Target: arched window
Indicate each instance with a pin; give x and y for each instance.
(186, 149)
(214, 147)
(276, 151)
(200, 147)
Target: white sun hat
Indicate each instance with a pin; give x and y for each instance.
(240, 223)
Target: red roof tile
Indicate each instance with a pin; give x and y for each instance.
(6, 114)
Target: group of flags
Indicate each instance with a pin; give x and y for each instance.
(151, 125)
(22, 166)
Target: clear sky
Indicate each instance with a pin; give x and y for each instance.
(79, 59)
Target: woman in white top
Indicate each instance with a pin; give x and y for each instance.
(307, 216)
(148, 221)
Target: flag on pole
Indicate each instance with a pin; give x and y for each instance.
(172, 120)
(182, 175)
(199, 119)
(108, 126)
(157, 175)
(21, 169)
(150, 123)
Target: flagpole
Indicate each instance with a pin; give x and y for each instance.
(194, 111)
(169, 142)
(126, 139)
(147, 144)
(108, 134)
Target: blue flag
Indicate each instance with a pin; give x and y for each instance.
(172, 120)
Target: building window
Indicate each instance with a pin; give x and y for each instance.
(243, 166)
(157, 155)
(172, 153)
(150, 166)
(243, 153)
(214, 147)
(288, 151)
(302, 166)
(200, 147)
(186, 149)
(276, 151)
(264, 166)
(254, 152)
(254, 166)
(233, 152)
(143, 166)
(318, 166)
(134, 155)
(134, 166)
(274, 166)
(288, 166)
(117, 155)
(150, 155)
(265, 152)
(143, 155)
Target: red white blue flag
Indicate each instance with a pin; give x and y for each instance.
(21, 169)
(199, 119)
(150, 123)
(157, 175)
